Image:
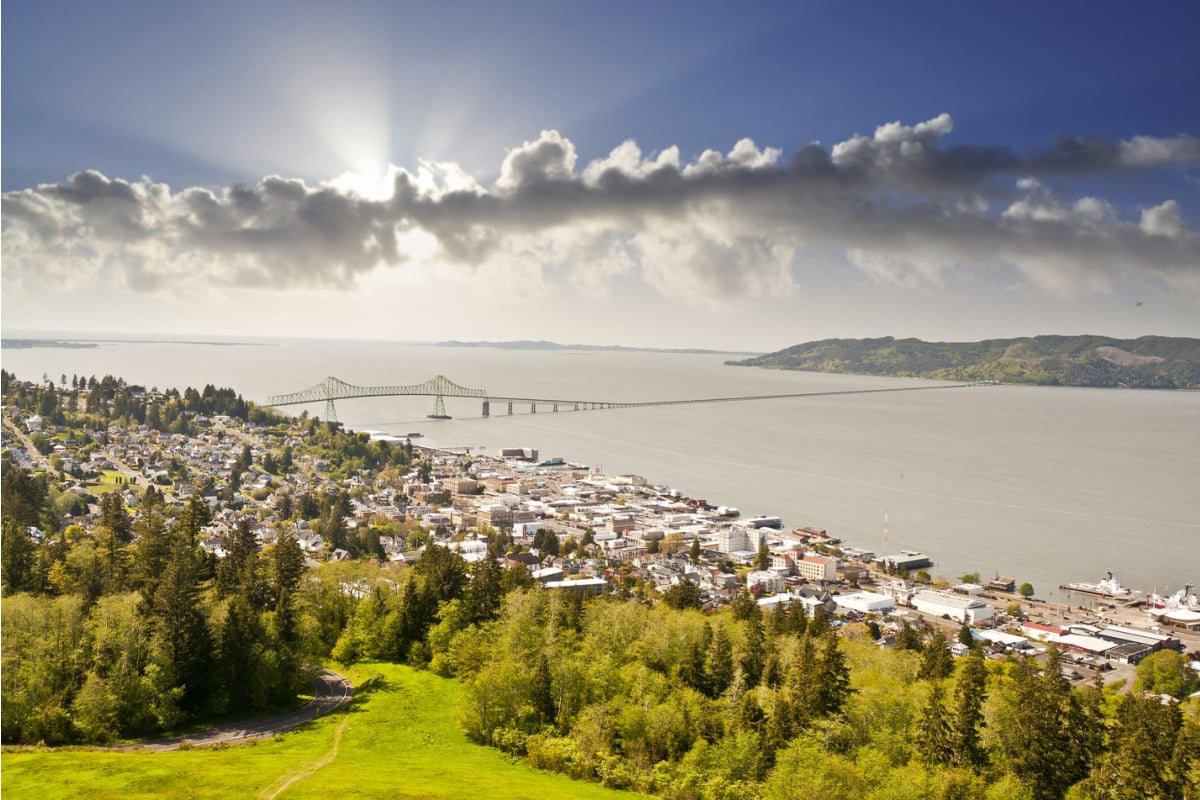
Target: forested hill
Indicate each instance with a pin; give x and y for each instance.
(1149, 362)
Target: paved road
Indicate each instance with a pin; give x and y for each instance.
(331, 691)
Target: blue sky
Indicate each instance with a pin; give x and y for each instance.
(1043, 174)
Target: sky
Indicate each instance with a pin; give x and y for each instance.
(679, 174)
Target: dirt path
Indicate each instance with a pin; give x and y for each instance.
(277, 788)
(331, 691)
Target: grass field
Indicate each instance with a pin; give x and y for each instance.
(398, 740)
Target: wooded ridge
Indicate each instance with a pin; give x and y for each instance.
(1148, 362)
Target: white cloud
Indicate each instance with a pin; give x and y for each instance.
(902, 207)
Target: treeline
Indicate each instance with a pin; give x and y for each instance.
(738, 705)
(132, 628)
(1149, 362)
(110, 400)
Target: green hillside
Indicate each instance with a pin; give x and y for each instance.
(1149, 362)
(399, 740)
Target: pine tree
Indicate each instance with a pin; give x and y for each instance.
(834, 671)
(936, 661)
(969, 694)
(182, 642)
(719, 663)
(485, 593)
(933, 735)
(754, 644)
(542, 691)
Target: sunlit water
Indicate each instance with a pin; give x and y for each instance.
(1044, 484)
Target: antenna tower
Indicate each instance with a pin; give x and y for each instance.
(885, 532)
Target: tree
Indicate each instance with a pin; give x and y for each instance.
(181, 633)
(1025, 590)
(1141, 762)
(970, 577)
(936, 661)
(933, 734)
(719, 663)
(833, 689)
(485, 592)
(237, 571)
(908, 638)
(1042, 731)
(694, 552)
(684, 594)
(1167, 672)
(969, 694)
(762, 559)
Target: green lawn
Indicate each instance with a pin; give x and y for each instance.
(399, 740)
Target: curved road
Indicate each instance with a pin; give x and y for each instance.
(331, 691)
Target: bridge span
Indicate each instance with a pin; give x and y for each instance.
(440, 387)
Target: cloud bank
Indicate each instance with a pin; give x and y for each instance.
(900, 205)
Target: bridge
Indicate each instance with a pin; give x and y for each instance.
(440, 387)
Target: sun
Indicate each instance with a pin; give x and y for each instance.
(369, 184)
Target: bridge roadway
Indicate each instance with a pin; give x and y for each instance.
(440, 387)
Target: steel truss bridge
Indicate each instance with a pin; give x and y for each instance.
(440, 387)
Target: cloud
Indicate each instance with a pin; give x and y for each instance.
(900, 204)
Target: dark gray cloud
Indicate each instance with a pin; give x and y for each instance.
(900, 204)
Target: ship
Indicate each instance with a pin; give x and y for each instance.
(1185, 599)
(1105, 587)
(1181, 608)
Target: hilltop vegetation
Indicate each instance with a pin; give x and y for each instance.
(120, 622)
(1149, 362)
(400, 739)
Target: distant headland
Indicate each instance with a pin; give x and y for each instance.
(1148, 362)
(541, 344)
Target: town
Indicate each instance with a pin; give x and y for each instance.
(570, 527)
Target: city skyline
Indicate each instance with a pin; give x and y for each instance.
(687, 175)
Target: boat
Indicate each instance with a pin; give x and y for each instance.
(1105, 587)
(439, 416)
(1183, 600)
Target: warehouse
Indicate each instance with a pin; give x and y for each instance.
(954, 606)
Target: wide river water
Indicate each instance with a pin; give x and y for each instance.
(1047, 485)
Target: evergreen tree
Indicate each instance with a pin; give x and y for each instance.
(237, 573)
(485, 592)
(542, 691)
(1141, 763)
(969, 694)
(752, 661)
(719, 663)
(936, 661)
(182, 642)
(114, 517)
(694, 552)
(238, 678)
(684, 594)
(933, 734)
(1038, 735)
(18, 554)
(834, 682)
(908, 638)
(693, 664)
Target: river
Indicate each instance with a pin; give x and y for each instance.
(1043, 484)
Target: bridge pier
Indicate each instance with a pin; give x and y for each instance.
(487, 408)
(556, 406)
(533, 408)
(510, 409)
(577, 406)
